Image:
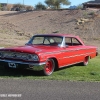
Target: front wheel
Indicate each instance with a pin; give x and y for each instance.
(49, 67)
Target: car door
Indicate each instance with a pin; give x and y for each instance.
(77, 50)
(72, 52)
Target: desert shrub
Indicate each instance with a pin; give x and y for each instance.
(80, 6)
(18, 6)
(9, 6)
(0, 7)
(29, 8)
(91, 13)
(40, 6)
(85, 14)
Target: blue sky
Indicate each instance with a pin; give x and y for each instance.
(34, 2)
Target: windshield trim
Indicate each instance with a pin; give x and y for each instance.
(31, 40)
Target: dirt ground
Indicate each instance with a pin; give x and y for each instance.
(17, 27)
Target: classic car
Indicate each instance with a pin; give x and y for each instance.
(48, 52)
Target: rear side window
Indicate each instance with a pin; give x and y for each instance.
(72, 41)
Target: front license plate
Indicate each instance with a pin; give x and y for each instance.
(12, 65)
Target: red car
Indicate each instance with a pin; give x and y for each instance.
(47, 52)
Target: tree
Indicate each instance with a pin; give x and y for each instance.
(57, 3)
(0, 6)
(18, 6)
(40, 6)
(80, 6)
(28, 8)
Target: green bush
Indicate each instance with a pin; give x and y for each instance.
(40, 6)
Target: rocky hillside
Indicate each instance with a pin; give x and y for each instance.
(17, 27)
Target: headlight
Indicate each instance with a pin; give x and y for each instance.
(31, 57)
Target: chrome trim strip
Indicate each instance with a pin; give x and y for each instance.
(63, 42)
(77, 55)
(20, 62)
(67, 50)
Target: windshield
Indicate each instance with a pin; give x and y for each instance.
(46, 40)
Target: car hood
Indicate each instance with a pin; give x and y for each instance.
(32, 49)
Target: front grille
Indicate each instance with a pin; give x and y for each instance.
(13, 55)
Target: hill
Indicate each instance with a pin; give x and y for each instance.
(17, 27)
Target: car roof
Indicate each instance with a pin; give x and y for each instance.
(61, 35)
(56, 34)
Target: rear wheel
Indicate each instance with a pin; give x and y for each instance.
(86, 61)
(49, 67)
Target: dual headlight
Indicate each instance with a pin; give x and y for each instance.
(15, 55)
(30, 57)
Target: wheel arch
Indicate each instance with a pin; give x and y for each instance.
(56, 62)
(86, 60)
(89, 56)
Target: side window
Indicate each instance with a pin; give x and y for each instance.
(68, 41)
(72, 41)
(75, 42)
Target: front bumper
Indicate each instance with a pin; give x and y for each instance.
(20, 64)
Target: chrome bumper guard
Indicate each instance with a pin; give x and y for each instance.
(35, 66)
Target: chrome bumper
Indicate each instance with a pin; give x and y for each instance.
(34, 66)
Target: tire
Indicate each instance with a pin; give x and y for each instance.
(49, 67)
(86, 61)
